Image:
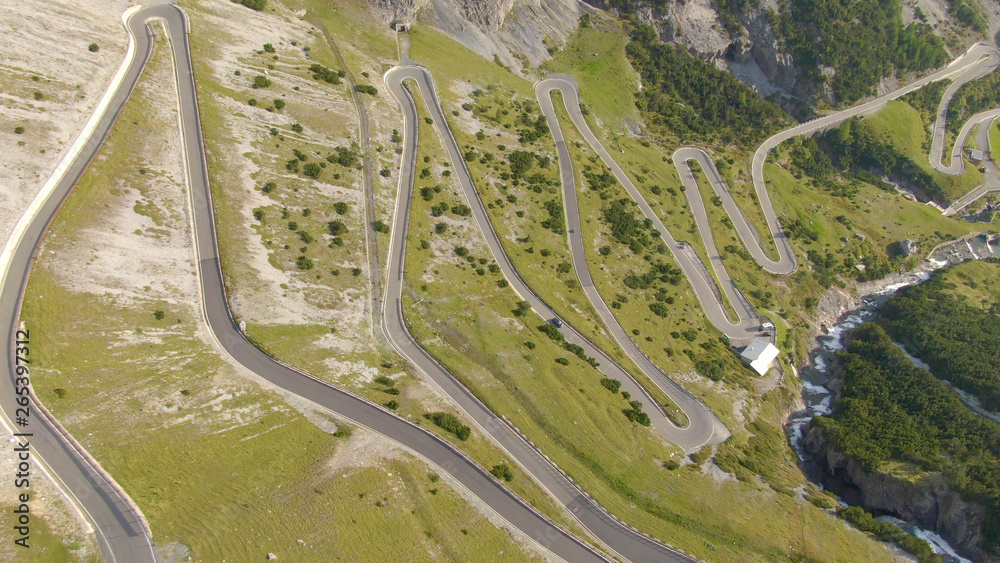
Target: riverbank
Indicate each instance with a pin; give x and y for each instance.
(839, 313)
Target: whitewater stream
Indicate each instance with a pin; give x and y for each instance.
(818, 398)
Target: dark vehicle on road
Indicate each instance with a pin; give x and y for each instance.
(556, 322)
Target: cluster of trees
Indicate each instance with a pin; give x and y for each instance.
(626, 228)
(320, 72)
(864, 40)
(884, 531)
(966, 12)
(973, 97)
(890, 409)
(960, 342)
(532, 129)
(686, 96)
(855, 145)
(555, 222)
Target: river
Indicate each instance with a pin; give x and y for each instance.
(816, 382)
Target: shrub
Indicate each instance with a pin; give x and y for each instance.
(279, 104)
(312, 170)
(355, 271)
(18, 130)
(158, 315)
(60, 392)
(659, 309)
(268, 48)
(336, 228)
(367, 89)
(340, 207)
(320, 72)
(612, 385)
(502, 471)
(552, 332)
(93, 48)
(671, 464)
(261, 81)
(461, 210)
(381, 227)
(258, 5)
(392, 405)
(529, 345)
(385, 380)
(562, 361)
(296, 127)
(449, 423)
(428, 121)
(304, 263)
(38, 95)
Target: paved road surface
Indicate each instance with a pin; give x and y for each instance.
(118, 524)
(623, 540)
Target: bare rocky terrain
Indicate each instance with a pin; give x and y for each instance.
(50, 84)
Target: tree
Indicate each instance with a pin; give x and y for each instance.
(261, 81)
(304, 263)
(279, 104)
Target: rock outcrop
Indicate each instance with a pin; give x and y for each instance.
(928, 501)
(511, 31)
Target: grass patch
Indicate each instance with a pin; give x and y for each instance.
(470, 326)
(901, 123)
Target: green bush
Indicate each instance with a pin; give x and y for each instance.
(279, 104)
(304, 263)
(261, 81)
(320, 72)
(449, 423)
(502, 471)
(612, 385)
(312, 170)
(93, 48)
(258, 5)
(336, 228)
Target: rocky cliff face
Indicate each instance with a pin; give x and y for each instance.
(508, 30)
(929, 502)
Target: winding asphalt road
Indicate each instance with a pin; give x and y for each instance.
(976, 62)
(120, 527)
(613, 534)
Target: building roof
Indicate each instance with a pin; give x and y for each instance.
(759, 355)
(976, 154)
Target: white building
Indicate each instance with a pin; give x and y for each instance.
(759, 355)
